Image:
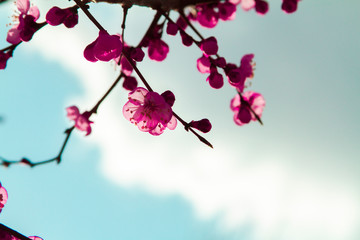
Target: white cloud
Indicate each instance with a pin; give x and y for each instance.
(281, 202)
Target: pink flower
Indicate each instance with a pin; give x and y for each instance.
(203, 64)
(172, 28)
(27, 23)
(202, 125)
(68, 16)
(241, 107)
(247, 4)
(207, 16)
(3, 197)
(237, 76)
(105, 48)
(81, 120)
(157, 49)
(4, 57)
(261, 7)
(129, 83)
(35, 238)
(150, 111)
(289, 6)
(209, 46)
(215, 79)
(227, 11)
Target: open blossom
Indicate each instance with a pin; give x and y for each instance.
(150, 111)
(27, 26)
(237, 76)
(3, 197)
(241, 107)
(81, 120)
(105, 48)
(68, 16)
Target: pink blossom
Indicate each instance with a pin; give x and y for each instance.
(81, 120)
(289, 6)
(68, 16)
(247, 4)
(261, 7)
(150, 111)
(241, 107)
(209, 46)
(172, 28)
(207, 16)
(27, 26)
(3, 197)
(215, 79)
(202, 125)
(137, 54)
(35, 238)
(203, 64)
(157, 49)
(105, 48)
(227, 11)
(4, 57)
(237, 76)
(186, 39)
(129, 83)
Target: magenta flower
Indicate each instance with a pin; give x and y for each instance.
(203, 64)
(130, 83)
(81, 120)
(3, 197)
(4, 57)
(241, 107)
(27, 26)
(172, 28)
(289, 6)
(247, 4)
(209, 46)
(227, 11)
(150, 111)
(207, 16)
(105, 48)
(202, 125)
(35, 238)
(68, 16)
(261, 7)
(237, 76)
(157, 49)
(215, 79)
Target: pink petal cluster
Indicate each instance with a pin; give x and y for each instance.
(27, 26)
(81, 120)
(105, 48)
(4, 57)
(237, 76)
(241, 107)
(3, 197)
(68, 16)
(150, 111)
(289, 6)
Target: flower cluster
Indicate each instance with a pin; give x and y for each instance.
(82, 121)
(68, 16)
(27, 26)
(150, 111)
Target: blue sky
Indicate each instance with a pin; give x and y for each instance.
(296, 177)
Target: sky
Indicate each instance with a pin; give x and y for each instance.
(295, 177)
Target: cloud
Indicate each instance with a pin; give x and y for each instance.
(233, 182)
